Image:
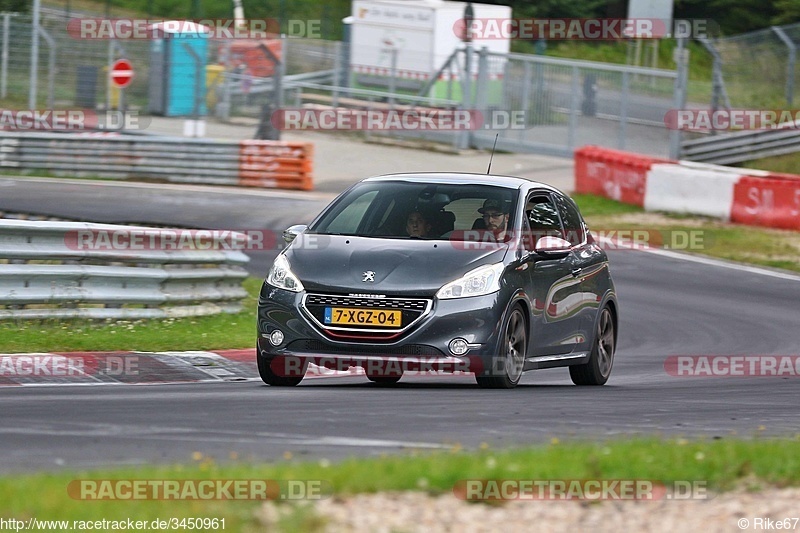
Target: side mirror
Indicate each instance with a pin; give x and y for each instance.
(290, 233)
(552, 247)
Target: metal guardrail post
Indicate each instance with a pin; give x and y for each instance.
(790, 67)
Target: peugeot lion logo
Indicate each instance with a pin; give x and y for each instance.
(369, 275)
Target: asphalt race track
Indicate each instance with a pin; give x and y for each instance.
(670, 305)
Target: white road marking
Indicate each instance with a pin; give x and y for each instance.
(195, 435)
(702, 260)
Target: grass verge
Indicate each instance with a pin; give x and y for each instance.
(787, 164)
(745, 244)
(721, 464)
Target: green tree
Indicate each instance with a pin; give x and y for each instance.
(788, 12)
(15, 6)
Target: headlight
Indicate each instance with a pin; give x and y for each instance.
(482, 280)
(280, 275)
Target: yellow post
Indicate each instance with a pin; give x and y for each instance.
(214, 77)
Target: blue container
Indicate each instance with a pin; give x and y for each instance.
(177, 82)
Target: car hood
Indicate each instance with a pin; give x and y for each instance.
(401, 266)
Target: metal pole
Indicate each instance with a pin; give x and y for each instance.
(790, 62)
(110, 64)
(4, 68)
(51, 74)
(573, 108)
(679, 99)
(623, 112)
(279, 70)
(224, 107)
(393, 77)
(526, 98)
(337, 73)
(282, 70)
(468, 76)
(34, 55)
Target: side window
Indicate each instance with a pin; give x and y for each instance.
(542, 218)
(573, 223)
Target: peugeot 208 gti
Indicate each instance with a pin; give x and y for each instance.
(491, 275)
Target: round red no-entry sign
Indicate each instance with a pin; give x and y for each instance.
(122, 73)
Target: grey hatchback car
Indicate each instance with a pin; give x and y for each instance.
(441, 272)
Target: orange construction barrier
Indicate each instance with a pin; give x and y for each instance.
(276, 164)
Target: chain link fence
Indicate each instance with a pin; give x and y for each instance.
(758, 69)
(563, 103)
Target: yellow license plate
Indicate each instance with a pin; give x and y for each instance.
(363, 317)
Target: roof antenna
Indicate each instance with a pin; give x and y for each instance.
(488, 170)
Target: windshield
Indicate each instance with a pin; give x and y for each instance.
(404, 210)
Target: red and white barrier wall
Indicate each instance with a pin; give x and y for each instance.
(740, 195)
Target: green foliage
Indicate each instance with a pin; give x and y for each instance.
(787, 12)
(15, 6)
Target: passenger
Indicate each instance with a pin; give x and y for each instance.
(495, 216)
(417, 225)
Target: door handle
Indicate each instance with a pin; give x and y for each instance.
(576, 271)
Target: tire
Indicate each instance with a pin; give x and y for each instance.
(271, 378)
(514, 346)
(385, 380)
(598, 369)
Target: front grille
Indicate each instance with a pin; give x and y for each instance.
(408, 304)
(411, 309)
(318, 347)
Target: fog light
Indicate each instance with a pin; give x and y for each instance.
(458, 346)
(276, 337)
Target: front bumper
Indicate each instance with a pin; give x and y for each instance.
(478, 320)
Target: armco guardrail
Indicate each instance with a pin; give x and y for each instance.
(75, 269)
(740, 195)
(728, 148)
(284, 165)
